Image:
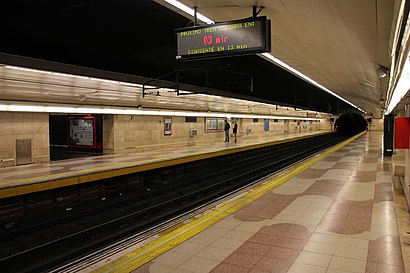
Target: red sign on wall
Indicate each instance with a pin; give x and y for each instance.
(401, 132)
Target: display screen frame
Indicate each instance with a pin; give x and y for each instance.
(215, 40)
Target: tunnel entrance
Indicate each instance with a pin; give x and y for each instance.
(75, 136)
(351, 124)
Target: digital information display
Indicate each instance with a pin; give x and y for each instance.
(229, 38)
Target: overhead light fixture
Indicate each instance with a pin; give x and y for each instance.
(74, 76)
(382, 71)
(134, 111)
(401, 88)
(130, 84)
(284, 65)
(190, 11)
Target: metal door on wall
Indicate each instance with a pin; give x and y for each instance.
(23, 151)
(286, 127)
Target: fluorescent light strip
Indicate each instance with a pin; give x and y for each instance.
(45, 72)
(75, 76)
(190, 11)
(130, 111)
(275, 60)
(402, 87)
(393, 67)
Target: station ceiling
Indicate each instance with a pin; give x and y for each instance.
(338, 43)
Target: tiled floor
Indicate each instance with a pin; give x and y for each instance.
(28, 174)
(338, 216)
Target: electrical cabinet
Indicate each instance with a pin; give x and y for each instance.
(23, 151)
(388, 135)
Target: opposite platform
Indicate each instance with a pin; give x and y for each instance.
(336, 216)
(38, 177)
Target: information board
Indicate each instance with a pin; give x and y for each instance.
(82, 132)
(214, 124)
(167, 126)
(246, 36)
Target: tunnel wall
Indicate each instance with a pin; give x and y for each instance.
(351, 124)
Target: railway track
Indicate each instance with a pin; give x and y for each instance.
(38, 240)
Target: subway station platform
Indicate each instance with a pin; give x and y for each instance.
(25, 179)
(334, 213)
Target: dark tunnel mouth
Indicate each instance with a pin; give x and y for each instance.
(351, 124)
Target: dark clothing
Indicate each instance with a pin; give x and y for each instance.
(235, 131)
(227, 126)
(226, 129)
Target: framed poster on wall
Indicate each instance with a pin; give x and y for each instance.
(266, 124)
(82, 132)
(167, 126)
(214, 124)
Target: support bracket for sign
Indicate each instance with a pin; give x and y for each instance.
(195, 16)
(198, 70)
(255, 12)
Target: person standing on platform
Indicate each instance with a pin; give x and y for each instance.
(235, 130)
(226, 129)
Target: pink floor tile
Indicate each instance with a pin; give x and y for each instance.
(253, 248)
(243, 259)
(372, 267)
(273, 265)
(229, 268)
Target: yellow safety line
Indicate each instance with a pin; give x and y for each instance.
(145, 254)
(12, 187)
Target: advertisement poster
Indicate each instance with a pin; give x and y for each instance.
(211, 124)
(214, 124)
(266, 123)
(167, 127)
(82, 132)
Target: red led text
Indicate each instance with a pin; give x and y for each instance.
(209, 40)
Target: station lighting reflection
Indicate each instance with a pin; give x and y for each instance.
(402, 87)
(132, 111)
(50, 108)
